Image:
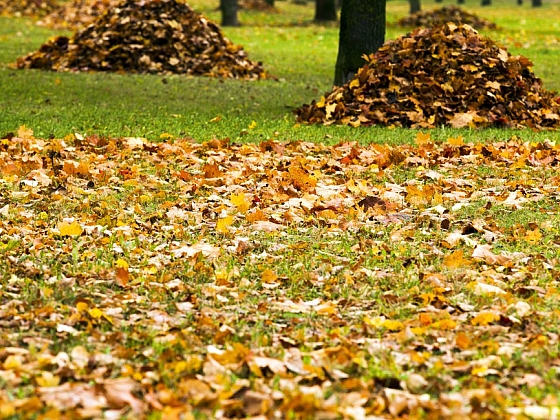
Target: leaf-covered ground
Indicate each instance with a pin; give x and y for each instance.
(278, 280)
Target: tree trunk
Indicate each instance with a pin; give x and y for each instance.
(362, 31)
(460, 1)
(520, 2)
(325, 11)
(486, 2)
(414, 6)
(269, 2)
(229, 12)
(536, 3)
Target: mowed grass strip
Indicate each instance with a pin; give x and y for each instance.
(300, 54)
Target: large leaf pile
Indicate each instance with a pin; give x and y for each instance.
(159, 36)
(445, 75)
(27, 7)
(77, 14)
(443, 15)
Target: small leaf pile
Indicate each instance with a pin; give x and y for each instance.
(259, 5)
(77, 14)
(445, 75)
(27, 7)
(426, 18)
(154, 36)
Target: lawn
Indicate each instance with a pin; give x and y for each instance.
(179, 248)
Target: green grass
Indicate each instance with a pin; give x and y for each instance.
(300, 54)
(352, 305)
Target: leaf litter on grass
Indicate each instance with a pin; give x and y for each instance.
(277, 279)
(443, 75)
(159, 37)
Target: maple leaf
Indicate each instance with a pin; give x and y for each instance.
(70, 229)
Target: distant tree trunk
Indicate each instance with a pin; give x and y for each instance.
(362, 31)
(229, 12)
(414, 6)
(325, 11)
(338, 4)
(536, 3)
(439, 1)
(460, 1)
(520, 2)
(270, 2)
(486, 2)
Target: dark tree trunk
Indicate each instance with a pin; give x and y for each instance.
(270, 2)
(362, 31)
(536, 3)
(486, 2)
(520, 2)
(229, 12)
(460, 1)
(439, 1)
(325, 11)
(414, 6)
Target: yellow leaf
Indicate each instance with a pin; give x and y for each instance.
(223, 224)
(166, 136)
(70, 229)
(47, 379)
(422, 139)
(24, 132)
(81, 306)
(13, 362)
(321, 103)
(457, 141)
(268, 276)
(376, 321)
(330, 108)
(354, 83)
(216, 119)
(533, 236)
(95, 313)
(393, 325)
(485, 318)
(239, 201)
(455, 260)
(252, 125)
(444, 324)
(121, 263)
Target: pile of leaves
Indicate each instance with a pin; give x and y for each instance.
(30, 8)
(177, 279)
(77, 14)
(153, 36)
(444, 15)
(444, 75)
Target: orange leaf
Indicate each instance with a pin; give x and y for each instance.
(463, 341)
(422, 139)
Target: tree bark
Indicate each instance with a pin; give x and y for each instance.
(362, 31)
(229, 12)
(325, 11)
(414, 6)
